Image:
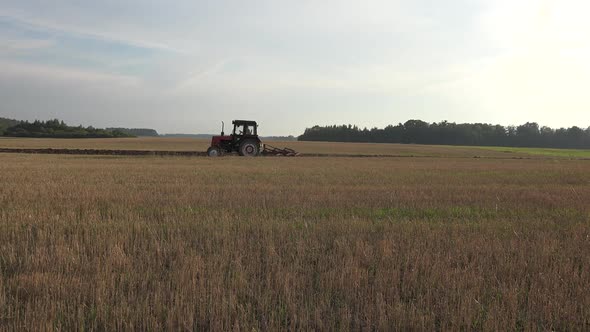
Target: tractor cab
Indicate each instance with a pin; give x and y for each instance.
(244, 128)
(243, 139)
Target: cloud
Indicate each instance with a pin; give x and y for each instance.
(20, 45)
(55, 74)
(59, 27)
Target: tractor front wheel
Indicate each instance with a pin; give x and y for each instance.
(249, 148)
(213, 151)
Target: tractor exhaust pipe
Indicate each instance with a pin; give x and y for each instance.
(222, 128)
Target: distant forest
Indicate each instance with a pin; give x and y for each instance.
(53, 129)
(6, 123)
(136, 131)
(529, 134)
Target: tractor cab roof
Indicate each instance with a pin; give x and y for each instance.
(244, 122)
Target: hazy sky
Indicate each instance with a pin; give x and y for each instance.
(186, 65)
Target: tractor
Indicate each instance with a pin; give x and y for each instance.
(245, 141)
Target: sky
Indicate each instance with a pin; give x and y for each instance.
(184, 66)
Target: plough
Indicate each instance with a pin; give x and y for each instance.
(270, 150)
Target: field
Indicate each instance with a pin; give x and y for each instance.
(438, 241)
(569, 153)
(308, 148)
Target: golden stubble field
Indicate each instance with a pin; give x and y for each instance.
(192, 144)
(150, 243)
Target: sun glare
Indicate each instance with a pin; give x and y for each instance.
(542, 58)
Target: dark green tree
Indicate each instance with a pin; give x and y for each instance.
(529, 134)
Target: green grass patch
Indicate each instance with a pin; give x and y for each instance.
(568, 153)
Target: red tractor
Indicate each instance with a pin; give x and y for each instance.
(245, 141)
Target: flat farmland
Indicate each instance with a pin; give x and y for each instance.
(324, 243)
(310, 148)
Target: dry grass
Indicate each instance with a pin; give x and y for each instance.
(191, 144)
(298, 243)
(142, 143)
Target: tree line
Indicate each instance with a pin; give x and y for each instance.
(57, 129)
(136, 131)
(529, 134)
(6, 123)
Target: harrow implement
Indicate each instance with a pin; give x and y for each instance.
(270, 150)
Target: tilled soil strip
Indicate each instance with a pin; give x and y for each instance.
(102, 152)
(105, 152)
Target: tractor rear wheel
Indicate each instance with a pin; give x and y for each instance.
(249, 148)
(213, 151)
